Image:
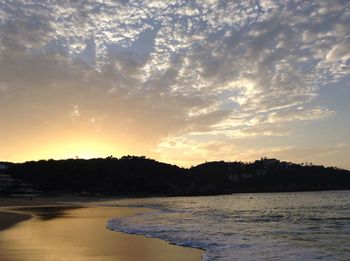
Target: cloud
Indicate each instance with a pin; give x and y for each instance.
(340, 52)
(172, 68)
(75, 113)
(186, 151)
(301, 114)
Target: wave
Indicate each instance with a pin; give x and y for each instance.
(273, 227)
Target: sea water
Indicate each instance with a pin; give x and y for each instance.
(261, 226)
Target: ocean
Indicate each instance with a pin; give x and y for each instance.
(258, 226)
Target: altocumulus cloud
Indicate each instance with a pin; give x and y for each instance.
(190, 74)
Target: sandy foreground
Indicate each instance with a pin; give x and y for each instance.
(43, 229)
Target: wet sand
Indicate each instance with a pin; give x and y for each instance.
(71, 232)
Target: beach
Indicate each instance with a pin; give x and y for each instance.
(47, 229)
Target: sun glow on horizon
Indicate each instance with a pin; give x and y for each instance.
(69, 149)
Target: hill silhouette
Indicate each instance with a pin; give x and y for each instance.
(140, 176)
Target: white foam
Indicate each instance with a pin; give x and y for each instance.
(302, 226)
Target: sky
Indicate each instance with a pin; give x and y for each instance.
(179, 81)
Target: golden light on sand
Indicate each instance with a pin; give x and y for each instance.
(80, 234)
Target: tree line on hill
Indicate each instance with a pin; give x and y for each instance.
(140, 176)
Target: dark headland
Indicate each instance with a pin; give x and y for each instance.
(140, 176)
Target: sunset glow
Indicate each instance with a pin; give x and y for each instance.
(179, 81)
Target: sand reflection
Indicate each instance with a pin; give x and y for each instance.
(69, 233)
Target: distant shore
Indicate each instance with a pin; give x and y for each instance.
(47, 229)
(133, 176)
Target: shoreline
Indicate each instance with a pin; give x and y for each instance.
(64, 230)
(10, 219)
